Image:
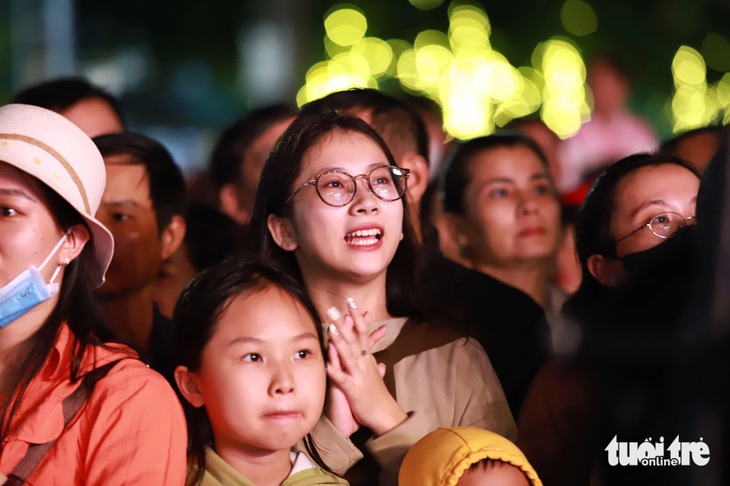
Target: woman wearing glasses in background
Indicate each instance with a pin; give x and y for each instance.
(635, 247)
(330, 206)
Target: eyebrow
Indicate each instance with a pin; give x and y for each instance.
(18, 193)
(122, 202)
(245, 340)
(509, 180)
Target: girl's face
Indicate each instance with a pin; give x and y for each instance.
(262, 376)
(645, 193)
(28, 231)
(356, 241)
(511, 213)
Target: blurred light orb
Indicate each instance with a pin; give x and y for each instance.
(688, 67)
(345, 25)
(426, 4)
(578, 18)
(376, 52)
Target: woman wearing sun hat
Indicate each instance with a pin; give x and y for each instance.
(75, 407)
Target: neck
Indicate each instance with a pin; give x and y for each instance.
(131, 316)
(531, 280)
(368, 296)
(263, 468)
(15, 336)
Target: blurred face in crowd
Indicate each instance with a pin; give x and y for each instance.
(253, 163)
(511, 212)
(127, 210)
(94, 116)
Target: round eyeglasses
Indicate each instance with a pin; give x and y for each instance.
(337, 188)
(664, 225)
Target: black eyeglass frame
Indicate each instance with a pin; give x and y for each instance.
(315, 180)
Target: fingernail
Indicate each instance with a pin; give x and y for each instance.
(351, 303)
(333, 329)
(333, 313)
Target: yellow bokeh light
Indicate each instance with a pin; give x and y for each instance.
(688, 67)
(723, 91)
(431, 38)
(432, 63)
(578, 18)
(407, 70)
(349, 62)
(345, 26)
(465, 117)
(332, 48)
(426, 4)
(458, 11)
(377, 52)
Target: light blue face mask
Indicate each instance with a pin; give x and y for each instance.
(27, 290)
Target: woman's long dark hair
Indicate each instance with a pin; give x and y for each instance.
(77, 306)
(195, 319)
(282, 169)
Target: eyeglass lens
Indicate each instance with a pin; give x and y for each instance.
(665, 225)
(338, 188)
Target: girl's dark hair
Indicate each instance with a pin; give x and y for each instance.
(593, 220)
(77, 306)
(277, 179)
(195, 318)
(458, 171)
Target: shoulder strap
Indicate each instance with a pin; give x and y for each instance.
(71, 406)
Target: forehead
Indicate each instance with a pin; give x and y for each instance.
(649, 180)
(268, 313)
(349, 150)
(126, 178)
(505, 161)
(16, 178)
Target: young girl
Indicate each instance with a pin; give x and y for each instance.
(251, 367)
(330, 206)
(75, 408)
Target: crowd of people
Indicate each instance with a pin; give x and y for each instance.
(357, 306)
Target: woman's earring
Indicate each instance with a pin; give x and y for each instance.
(66, 261)
(291, 244)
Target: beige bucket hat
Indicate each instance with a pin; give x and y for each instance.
(52, 149)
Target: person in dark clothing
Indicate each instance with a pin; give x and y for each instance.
(144, 208)
(504, 215)
(636, 246)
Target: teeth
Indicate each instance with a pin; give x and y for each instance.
(370, 232)
(369, 241)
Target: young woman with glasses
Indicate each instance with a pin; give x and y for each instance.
(330, 206)
(636, 249)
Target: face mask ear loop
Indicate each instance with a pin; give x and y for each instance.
(53, 252)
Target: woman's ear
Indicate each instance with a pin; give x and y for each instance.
(282, 232)
(72, 247)
(188, 385)
(607, 271)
